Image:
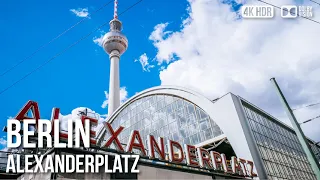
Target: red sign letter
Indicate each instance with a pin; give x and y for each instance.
(226, 167)
(131, 143)
(55, 117)
(114, 137)
(204, 158)
(242, 163)
(236, 168)
(216, 160)
(153, 144)
(30, 105)
(172, 155)
(252, 174)
(191, 155)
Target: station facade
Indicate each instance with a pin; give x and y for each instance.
(229, 125)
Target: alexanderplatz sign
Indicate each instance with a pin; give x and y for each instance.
(194, 156)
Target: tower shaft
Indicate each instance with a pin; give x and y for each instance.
(114, 82)
(115, 44)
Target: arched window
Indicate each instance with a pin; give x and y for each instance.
(166, 116)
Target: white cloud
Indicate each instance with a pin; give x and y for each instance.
(214, 53)
(123, 97)
(157, 37)
(162, 68)
(3, 141)
(123, 94)
(105, 102)
(98, 40)
(80, 12)
(158, 33)
(144, 61)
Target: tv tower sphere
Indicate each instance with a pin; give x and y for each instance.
(114, 39)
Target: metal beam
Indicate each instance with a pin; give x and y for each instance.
(303, 141)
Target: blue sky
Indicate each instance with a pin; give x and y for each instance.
(79, 76)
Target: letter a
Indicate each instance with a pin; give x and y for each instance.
(23, 113)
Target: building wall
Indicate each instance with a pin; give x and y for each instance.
(272, 146)
(278, 146)
(76, 176)
(147, 172)
(226, 113)
(222, 114)
(33, 176)
(63, 176)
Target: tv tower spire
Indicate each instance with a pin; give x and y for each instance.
(115, 44)
(115, 12)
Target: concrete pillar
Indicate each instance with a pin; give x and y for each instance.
(257, 159)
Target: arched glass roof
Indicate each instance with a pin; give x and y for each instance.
(166, 116)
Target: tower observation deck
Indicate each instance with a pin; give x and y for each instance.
(115, 44)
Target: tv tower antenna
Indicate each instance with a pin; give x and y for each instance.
(115, 12)
(115, 44)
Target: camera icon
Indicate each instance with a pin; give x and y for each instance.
(289, 11)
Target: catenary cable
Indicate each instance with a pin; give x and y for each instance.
(306, 106)
(310, 119)
(287, 11)
(315, 2)
(55, 38)
(312, 21)
(64, 50)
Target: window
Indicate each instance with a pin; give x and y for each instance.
(169, 117)
(279, 147)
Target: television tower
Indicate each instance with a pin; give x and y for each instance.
(115, 44)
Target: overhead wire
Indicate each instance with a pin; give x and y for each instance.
(84, 37)
(64, 50)
(312, 21)
(310, 119)
(52, 40)
(288, 11)
(310, 105)
(315, 2)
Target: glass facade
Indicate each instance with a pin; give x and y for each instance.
(166, 116)
(279, 147)
(316, 151)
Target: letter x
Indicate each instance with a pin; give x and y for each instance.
(114, 137)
